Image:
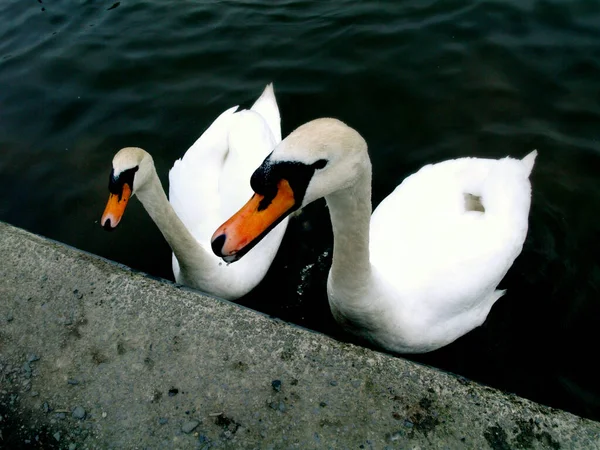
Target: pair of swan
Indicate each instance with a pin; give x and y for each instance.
(418, 273)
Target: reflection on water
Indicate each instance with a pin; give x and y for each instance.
(422, 81)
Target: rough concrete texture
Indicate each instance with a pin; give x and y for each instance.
(93, 355)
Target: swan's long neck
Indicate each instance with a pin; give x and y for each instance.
(184, 245)
(350, 211)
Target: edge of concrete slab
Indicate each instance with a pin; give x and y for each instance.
(94, 355)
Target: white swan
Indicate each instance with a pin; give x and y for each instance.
(423, 270)
(208, 184)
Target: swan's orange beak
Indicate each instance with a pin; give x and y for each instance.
(251, 223)
(115, 208)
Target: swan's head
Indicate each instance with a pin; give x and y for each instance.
(317, 159)
(131, 169)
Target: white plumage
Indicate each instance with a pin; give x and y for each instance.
(440, 260)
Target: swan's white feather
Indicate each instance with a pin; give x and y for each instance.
(212, 181)
(441, 263)
(194, 179)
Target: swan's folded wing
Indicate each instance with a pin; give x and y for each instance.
(194, 179)
(212, 180)
(266, 106)
(434, 244)
(250, 141)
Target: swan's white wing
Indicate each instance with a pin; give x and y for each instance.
(266, 106)
(250, 141)
(212, 180)
(194, 179)
(430, 249)
(253, 134)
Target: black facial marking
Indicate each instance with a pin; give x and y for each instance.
(115, 185)
(264, 180)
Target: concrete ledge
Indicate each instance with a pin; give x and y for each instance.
(93, 355)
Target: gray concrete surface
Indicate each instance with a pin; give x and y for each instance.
(93, 355)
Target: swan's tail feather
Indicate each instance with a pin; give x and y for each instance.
(486, 306)
(529, 160)
(507, 190)
(266, 106)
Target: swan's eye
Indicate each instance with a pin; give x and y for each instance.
(320, 164)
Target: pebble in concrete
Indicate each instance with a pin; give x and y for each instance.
(189, 426)
(276, 384)
(78, 412)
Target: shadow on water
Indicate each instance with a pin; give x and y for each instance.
(422, 81)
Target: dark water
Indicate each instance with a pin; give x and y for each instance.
(422, 80)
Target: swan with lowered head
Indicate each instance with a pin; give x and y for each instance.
(423, 269)
(208, 184)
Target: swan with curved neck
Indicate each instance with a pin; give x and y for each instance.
(216, 170)
(423, 269)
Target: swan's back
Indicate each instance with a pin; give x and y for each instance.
(448, 234)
